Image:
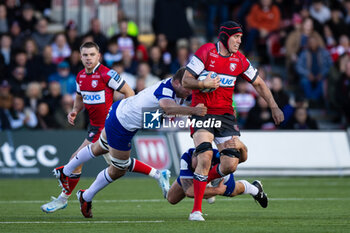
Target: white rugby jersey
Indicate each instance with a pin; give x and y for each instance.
(130, 110)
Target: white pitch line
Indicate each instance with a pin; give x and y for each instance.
(162, 200)
(79, 222)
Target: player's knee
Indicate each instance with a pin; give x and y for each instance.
(205, 148)
(120, 164)
(229, 167)
(189, 194)
(172, 200)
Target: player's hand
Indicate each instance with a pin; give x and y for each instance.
(200, 110)
(234, 142)
(71, 117)
(209, 82)
(277, 115)
(221, 188)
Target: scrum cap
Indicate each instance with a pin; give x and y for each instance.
(228, 29)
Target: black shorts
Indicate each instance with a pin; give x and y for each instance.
(228, 125)
(93, 133)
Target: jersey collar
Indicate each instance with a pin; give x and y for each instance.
(94, 70)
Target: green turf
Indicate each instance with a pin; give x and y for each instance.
(136, 205)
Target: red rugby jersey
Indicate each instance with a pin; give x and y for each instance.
(207, 58)
(97, 90)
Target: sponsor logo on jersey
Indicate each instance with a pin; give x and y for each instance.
(94, 83)
(227, 81)
(82, 76)
(90, 97)
(233, 66)
(95, 76)
(153, 150)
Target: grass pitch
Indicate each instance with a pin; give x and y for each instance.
(136, 205)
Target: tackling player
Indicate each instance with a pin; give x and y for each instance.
(96, 85)
(227, 186)
(123, 122)
(224, 59)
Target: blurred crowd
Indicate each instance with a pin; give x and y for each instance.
(301, 49)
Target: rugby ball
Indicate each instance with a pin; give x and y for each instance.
(203, 76)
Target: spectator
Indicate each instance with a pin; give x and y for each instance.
(31, 49)
(342, 48)
(124, 40)
(278, 93)
(296, 41)
(72, 35)
(319, 11)
(158, 67)
(195, 43)
(45, 119)
(215, 9)
(17, 36)
(144, 77)
(244, 99)
(263, 19)
(346, 4)
(33, 95)
(65, 78)
(162, 42)
(62, 111)
(180, 60)
(98, 36)
(259, 117)
(169, 18)
(13, 11)
(60, 48)
(130, 79)
(302, 120)
(4, 24)
(313, 67)
(75, 62)
(41, 36)
(54, 96)
(6, 98)
(130, 65)
(337, 24)
(113, 54)
(42, 67)
(27, 21)
(5, 44)
(21, 117)
(18, 81)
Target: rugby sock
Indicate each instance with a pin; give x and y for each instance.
(215, 173)
(199, 184)
(63, 197)
(249, 188)
(83, 156)
(102, 180)
(140, 167)
(72, 183)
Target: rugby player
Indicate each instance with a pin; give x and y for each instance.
(224, 59)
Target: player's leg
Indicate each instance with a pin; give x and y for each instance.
(67, 185)
(176, 193)
(202, 140)
(163, 177)
(120, 161)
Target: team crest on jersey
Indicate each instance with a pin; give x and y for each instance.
(233, 66)
(94, 83)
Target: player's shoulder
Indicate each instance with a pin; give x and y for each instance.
(207, 47)
(103, 69)
(240, 55)
(81, 72)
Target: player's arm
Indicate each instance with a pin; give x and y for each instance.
(127, 91)
(77, 107)
(189, 81)
(265, 92)
(170, 107)
(187, 186)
